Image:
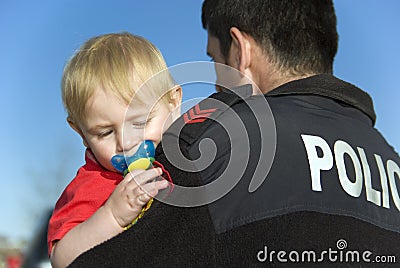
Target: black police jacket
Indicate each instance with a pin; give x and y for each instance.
(303, 178)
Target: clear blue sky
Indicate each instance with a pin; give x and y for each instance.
(40, 153)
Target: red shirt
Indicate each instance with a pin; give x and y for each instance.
(86, 193)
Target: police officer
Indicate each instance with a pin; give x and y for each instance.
(285, 169)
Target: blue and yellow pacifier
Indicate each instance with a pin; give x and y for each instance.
(142, 159)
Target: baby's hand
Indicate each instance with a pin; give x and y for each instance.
(132, 193)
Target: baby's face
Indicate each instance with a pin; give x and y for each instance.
(111, 127)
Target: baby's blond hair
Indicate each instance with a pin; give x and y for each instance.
(117, 62)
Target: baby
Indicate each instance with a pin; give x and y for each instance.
(114, 114)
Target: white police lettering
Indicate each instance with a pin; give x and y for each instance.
(361, 167)
(384, 181)
(392, 169)
(325, 162)
(341, 148)
(373, 195)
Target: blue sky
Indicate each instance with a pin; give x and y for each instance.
(40, 153)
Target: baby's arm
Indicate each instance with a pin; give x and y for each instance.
(121, 208)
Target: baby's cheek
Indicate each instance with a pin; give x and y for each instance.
(154, 134)
(106, 162)
(103, 157)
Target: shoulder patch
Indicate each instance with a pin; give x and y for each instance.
(196, 120)
(197, 115)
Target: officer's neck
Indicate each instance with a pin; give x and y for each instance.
(266, 76)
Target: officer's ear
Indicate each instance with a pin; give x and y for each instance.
(240, 50)
(78, 130)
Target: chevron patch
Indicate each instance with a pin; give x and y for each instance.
(196, 115)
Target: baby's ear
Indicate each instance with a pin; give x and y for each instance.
(78, 130)
(175, 97)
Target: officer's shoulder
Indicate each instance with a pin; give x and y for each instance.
(204, 116)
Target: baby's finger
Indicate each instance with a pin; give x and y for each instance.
(142, 199)
(144, 176)
(152, 188)
(129, 176)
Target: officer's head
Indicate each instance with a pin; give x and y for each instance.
(272, 38)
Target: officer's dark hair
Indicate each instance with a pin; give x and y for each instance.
(298, 35)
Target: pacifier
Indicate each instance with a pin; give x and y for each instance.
(142, 159)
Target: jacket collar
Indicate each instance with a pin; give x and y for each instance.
(327, 85)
